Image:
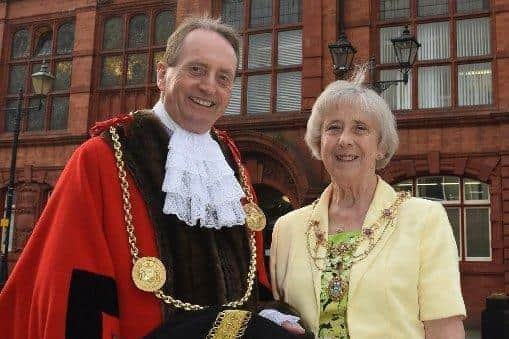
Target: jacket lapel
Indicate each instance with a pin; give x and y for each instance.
(384, 197)
(320, 214)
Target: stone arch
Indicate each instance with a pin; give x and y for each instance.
(272, 163)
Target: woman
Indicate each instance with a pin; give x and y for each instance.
(363, 261)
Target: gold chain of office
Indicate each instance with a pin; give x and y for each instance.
(149, 273)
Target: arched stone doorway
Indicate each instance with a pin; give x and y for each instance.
(274, 204)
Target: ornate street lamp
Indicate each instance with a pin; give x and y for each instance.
(42, 83)
(342, 53)
(405, 48)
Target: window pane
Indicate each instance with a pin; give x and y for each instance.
(43, 44)
(398, 96)
(138, 31)
(288, 91)
(434, 86)
(65, 38)
(113, 32)
(474, 84)
(111, 72)
(387, 54)
(392, 9)
(258, 94)
(260, 50)
(235, 98)
(16, 78)
(439, 188)
(261, 13)
(59, 113)
(62, 76)
(434, 39)
(454, 218)
(158, 56)
(165, 24)
(432, 7)
(466, 6)
(473, 37)
(232, 13)
(136, 69)
(477, 232)
(10, 116)
(290, 11)
(404, 186)
(290, 48)
(36, 116)
(20, 44)
(476, 191)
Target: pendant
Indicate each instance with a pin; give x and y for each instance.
(336, 288)
(149, 274)
(255, 218)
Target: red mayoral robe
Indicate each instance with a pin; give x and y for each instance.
(73, 278)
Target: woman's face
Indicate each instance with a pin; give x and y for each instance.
(349, 143)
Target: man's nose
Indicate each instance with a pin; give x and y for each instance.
(208, 84)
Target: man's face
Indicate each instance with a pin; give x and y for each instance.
(196, 91)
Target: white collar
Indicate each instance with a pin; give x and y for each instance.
(198, 182)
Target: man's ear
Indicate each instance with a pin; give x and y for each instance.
(161, 75)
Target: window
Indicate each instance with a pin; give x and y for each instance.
(454, 64)
(269, 75)
(52, 42)
(131, 45)
(467, 203)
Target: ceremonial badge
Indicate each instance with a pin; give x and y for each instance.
(255, 218)
(148, 274)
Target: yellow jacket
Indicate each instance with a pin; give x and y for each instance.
(410, 276)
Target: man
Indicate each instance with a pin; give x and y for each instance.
(146, 221)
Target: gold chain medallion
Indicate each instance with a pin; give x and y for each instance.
(255, 218)
(149, 274)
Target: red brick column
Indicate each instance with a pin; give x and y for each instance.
(505, 209)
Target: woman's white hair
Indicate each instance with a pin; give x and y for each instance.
(353, 92)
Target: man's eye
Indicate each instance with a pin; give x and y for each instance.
(361, 128)
(196, 70)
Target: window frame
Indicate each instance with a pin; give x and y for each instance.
(149, 87)
(30, 61)
(244, 72)
(452, 17)
(462, 205)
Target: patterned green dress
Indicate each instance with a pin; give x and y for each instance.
(332, 323)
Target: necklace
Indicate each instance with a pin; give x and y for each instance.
(338, 286)
(149, 273)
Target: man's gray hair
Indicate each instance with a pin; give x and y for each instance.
(355, 93)
(176, 39)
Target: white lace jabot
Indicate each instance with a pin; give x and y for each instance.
(198, 182)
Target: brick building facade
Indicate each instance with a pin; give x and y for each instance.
(453, 116)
